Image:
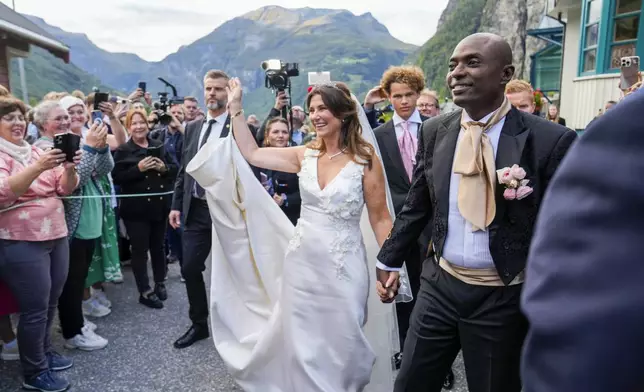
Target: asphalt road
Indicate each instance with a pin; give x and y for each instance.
(140, 356)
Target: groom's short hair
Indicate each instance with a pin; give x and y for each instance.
(410, 75)
(216, 74)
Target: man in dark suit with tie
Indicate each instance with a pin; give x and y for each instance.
(190, 209)
(471, 283)
(583, 295)
(398, 141)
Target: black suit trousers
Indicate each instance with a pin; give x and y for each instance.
(485, 322)
(197, 241)
(404, 309)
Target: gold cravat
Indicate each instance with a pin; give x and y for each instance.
(474, 161)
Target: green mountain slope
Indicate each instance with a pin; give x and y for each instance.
(460, 19)
(355, 49)
(45, 73)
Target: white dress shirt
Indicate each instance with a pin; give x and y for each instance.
(216, 127)
(463, 247)
(414, 125)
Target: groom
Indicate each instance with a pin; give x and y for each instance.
(472, 281)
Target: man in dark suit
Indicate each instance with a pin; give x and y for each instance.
(398, 141)
(583, 293)
(190, 209)
(471, 284)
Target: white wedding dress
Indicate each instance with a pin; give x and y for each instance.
(289, 306)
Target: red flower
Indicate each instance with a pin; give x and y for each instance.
(309, 89)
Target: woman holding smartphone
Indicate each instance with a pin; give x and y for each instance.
(142, 166)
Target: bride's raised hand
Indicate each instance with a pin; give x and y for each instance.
(234, 90)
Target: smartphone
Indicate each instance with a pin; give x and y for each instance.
(97, 117)
(154, 152)
(629, 71)
(142, 86)
(68, 143)
(100, 97)
(317, 78)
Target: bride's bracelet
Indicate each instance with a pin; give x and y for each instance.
(239, 113)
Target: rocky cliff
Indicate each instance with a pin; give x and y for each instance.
(509, 18)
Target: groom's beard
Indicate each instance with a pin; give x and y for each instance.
(217, 105)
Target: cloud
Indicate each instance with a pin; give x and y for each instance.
(155, 29)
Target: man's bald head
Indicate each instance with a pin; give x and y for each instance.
(493, 44)
(479, 69)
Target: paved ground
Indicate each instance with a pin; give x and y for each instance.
(140, 356)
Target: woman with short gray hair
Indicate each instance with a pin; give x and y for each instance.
(50, 118)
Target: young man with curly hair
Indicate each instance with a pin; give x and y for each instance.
(398, 142)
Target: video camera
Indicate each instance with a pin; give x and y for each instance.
(278, 74)
(278, 78)
(163, 104)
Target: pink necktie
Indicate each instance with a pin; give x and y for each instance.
(407, 149)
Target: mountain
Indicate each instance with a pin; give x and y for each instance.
(508, 18)
(355, 49)
(45, 73)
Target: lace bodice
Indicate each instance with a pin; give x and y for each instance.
(336, 209)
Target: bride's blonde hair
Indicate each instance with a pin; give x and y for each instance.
(337, 98)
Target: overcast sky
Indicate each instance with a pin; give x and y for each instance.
(155, 28)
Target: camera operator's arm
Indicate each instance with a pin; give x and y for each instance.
(281, 159)
(176, 125)
(118, 136)
(281, 100)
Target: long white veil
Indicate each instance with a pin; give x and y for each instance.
(381, 328)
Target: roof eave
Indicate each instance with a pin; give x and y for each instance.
(56, 48)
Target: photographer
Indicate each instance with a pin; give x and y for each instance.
(299, 117)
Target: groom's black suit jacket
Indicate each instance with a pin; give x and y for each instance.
(399, 183)
(537, 145)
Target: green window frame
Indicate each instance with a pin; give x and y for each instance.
(591, 32)
(624, 32)
(610, 29)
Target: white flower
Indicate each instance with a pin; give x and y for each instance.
(46, 226)
(24, 215)
(5, 234)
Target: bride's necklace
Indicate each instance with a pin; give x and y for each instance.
(336, 154)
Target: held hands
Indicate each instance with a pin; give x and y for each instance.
(235, 91)
(387, 283)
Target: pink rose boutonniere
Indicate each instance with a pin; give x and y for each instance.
(516, 186)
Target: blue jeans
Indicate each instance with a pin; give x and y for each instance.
(35, 273)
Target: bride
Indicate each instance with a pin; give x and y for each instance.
(290, 305)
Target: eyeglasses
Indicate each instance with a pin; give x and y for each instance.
(13, 118)
(60, 118)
